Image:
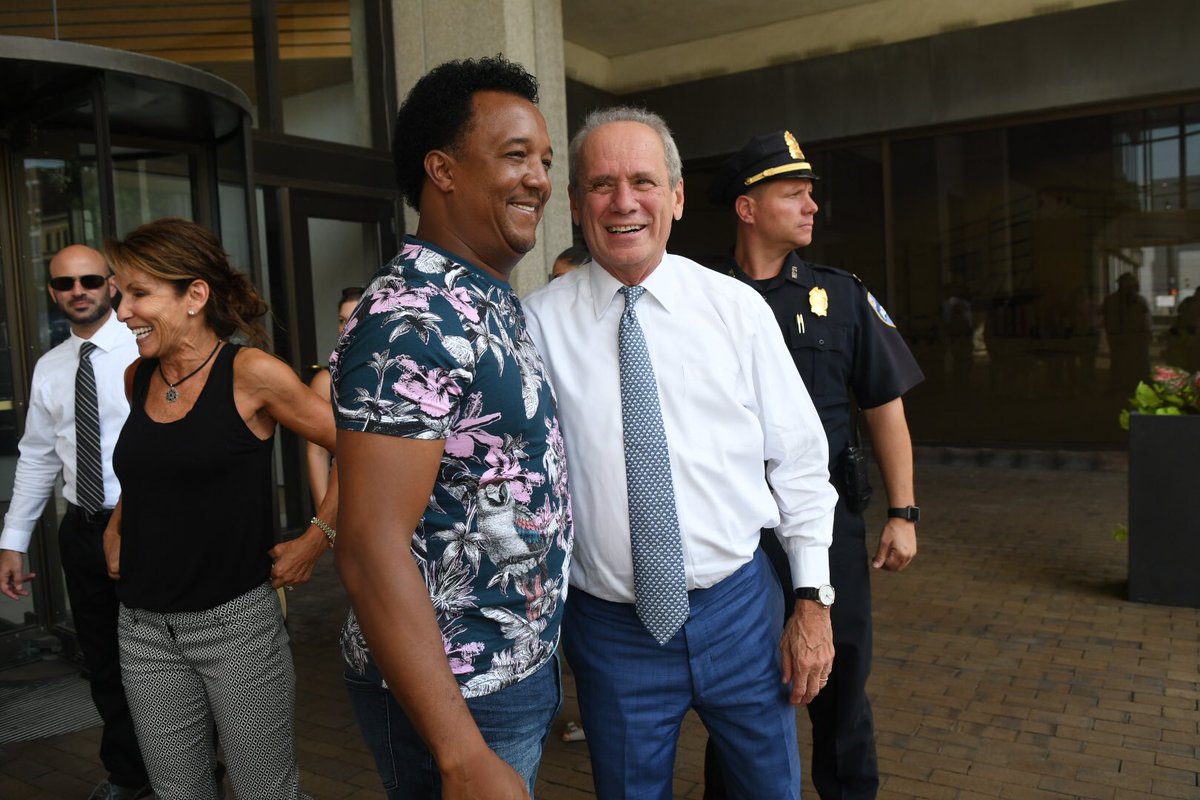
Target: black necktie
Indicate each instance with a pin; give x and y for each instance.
(89, 479)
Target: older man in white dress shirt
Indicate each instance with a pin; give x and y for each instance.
(675, 388)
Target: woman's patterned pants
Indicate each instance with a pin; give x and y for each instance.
(227, 669)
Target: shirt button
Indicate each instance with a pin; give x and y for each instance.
(820, 341)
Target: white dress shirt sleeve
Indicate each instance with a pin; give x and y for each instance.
(37, 470)
(48, 445)
(796, 453)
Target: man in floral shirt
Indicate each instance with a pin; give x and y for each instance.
(455, 527)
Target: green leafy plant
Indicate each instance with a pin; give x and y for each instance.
(1171, 392)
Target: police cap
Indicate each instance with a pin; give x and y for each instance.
(765, 157)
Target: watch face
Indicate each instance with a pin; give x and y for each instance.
(825, 595)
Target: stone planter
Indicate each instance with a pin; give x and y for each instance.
(1164, 509)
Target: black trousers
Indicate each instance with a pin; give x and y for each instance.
(94, 607)
(844, 763)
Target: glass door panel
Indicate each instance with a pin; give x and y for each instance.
(342, 255)
(53, 184)
(336, 242)
(149, 185)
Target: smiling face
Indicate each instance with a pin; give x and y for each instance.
(158, 314)
(85, 309)
(499, 181)
(623, 200)
(783, 212)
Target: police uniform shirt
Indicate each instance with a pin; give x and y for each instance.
(841, 340)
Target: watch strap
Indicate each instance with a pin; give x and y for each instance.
(824, 595)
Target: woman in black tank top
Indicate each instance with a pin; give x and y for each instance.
(191, 542)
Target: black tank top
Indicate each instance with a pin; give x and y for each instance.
(196, 499)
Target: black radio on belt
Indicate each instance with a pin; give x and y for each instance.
(853, 480)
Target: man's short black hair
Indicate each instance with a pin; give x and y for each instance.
(436, 115)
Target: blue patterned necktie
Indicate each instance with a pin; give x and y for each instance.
(659, 585)
(89, 480)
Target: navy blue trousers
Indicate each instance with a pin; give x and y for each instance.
(724, 663)
(844, 764)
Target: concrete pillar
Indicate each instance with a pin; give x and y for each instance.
(430, 32)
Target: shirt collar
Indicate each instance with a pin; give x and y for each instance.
(797, 270)
(475, 270)
(110, 334)
(663, 284)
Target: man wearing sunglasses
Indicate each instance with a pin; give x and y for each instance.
(91, 362)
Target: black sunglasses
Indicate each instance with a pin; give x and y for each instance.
(65, 284)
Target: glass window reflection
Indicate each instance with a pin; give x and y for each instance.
(149, 185)
(1037, 270)
(1044, 265)
(323, 70)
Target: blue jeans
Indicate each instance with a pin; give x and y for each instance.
(514, 722)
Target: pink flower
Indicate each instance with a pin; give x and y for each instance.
(461, 657)
(460, 299)
(503, 467)
(1172, 379)
(468, 430)
(433, 390)
(391, 298)
(506, 468)
(468, 433)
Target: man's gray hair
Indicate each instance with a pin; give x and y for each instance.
(604, 116)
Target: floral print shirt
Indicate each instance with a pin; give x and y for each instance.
(438, 349)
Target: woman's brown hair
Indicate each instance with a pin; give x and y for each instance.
(180, 251)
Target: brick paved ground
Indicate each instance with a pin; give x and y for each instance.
(1007, 665)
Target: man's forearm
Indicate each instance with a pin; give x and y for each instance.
(391, 602)
(890, 438)
(32, 487)
(374, 559)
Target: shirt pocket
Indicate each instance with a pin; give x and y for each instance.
(822, 356)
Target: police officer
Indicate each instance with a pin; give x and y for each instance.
(849, 353)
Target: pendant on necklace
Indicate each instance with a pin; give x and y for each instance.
(172, 394)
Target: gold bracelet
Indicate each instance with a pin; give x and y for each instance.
(326, 528)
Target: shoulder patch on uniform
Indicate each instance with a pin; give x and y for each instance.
(880, 311)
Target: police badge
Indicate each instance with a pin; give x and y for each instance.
(793, 146)
(818, 301)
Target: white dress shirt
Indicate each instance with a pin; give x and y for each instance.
(48, 445)
(731, 400)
